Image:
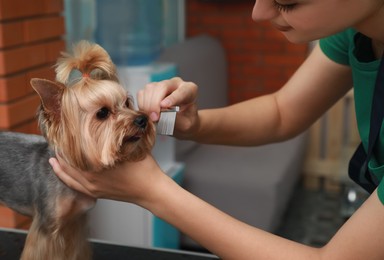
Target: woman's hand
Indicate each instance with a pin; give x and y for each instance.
(172, 92)
(130, 182)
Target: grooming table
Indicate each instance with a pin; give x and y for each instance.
(12, 241)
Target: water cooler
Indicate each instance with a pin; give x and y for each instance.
(130, 30)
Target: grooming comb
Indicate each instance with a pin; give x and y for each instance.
(166, 123)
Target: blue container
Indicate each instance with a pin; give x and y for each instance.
(130, 30)
(164, 234)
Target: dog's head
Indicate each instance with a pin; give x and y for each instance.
(89, 119)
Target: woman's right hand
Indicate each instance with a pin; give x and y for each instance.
(135, 182)
(173, 92)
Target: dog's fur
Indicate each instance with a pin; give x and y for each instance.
(89, 121)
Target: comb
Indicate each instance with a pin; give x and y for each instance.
(166, 123)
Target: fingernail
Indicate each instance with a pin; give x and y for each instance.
(166, 103)
(51, 161)
(154, 116)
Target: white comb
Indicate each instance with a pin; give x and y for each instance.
(166, 123)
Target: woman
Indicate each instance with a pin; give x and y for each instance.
(348, 55)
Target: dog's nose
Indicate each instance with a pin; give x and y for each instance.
(141, 121)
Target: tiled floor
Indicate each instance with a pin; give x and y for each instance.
(313, 217)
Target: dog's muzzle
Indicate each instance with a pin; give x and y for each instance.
(141, 121)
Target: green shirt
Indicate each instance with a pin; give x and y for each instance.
(354, 49)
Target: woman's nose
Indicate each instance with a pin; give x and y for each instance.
(264, 10)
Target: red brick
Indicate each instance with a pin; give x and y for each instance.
(11, 219)
(29, 45)
(289, 71)
(46, 72)
(43, 28)
(28, 127)
(26, 31)
(240, 33)
(233, 21)
(273, 84)
(245, 59)
(53, 50)
(10, 9)
(194, 32)
(256, 52)
(12, 87)
(205, 8)
(7, 217)
(21, 221)
(12, 60)
(287, 60)
(263, 47)
(17, 59)
(262, 72)
(17, 112)
(274, 35)
(300, 49)
(11, 34)
(53, 6)
(210, 20)
(237, 83)
(230, 43)
(36, 55)
(17, 85)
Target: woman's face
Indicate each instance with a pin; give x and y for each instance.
(306, 20)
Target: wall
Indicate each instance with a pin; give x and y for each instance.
(30, 42)
(260, 58)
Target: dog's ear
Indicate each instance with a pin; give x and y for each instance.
(50, 94)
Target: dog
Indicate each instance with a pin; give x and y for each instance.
(88, 119)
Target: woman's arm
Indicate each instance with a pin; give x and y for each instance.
(313, 89)
(360, 238)
(218, 232)
(144, 184)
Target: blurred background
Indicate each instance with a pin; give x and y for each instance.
(297, 189)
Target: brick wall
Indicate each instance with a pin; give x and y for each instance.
(260, 58)
(30, 42)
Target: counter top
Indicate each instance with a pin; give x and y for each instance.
(12, 241)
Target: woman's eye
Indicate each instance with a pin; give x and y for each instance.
(283, 7)
(103, 113)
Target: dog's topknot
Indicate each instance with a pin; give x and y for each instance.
(88, 59)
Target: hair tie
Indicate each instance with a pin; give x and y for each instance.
(76, 75)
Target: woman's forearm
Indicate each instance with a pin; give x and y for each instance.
(218, 232)
(246, 124)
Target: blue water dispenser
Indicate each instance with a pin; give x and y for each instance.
(130, 30)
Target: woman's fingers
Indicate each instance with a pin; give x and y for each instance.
(167, 93)
(71, 182)
(184, 94)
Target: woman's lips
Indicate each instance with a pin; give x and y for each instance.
(282, 28)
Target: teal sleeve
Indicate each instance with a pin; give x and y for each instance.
(337, 47)
(380, 192)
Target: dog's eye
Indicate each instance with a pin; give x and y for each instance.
(103, 113)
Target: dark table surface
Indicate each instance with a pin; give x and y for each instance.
(12, 241)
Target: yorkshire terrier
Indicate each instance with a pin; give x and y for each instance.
(88, 119)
